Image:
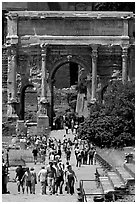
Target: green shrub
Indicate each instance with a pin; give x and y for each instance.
(112, 124)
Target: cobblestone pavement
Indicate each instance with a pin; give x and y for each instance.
(85, 172)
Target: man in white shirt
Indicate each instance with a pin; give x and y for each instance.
(42, 178)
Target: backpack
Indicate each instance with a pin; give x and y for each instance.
(79, 156)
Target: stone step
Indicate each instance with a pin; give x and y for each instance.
(126, 177)
(130, 167)
(116, 181)
(106, 185)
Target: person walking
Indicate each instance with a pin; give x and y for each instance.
(85, 156)
(33, 179)
(59, 177)
(79, 159)
(66, 128)
(70, 179)
(77, 151)
(27, 179)
(43, 155)
(51, 177)
(35, 154)
(68, 154)
(59, 151)
(18, 178)
(72, 125)
(91, 155)
(42, 178)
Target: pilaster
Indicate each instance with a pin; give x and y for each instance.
(43, 119)
(11, 82)
(12, 29)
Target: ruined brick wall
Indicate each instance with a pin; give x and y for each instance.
(4, 83)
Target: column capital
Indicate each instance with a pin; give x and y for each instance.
(11, 39)
(125, 47)
(11, 51)
(94, 46)
(12, 16)
(125, 51)
(44, 46)
(94, 53)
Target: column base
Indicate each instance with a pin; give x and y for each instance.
(93, 101)
(13, 117)
(43, 125)
(21, 128)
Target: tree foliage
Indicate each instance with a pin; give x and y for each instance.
(112, 124)
(114, 6)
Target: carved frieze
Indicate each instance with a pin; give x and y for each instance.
(18, 82)
(52, 59)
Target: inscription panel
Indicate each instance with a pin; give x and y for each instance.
(71, 27)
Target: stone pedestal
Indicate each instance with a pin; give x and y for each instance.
(42, 118)
(11, 110)
(43, 125)
(21, 128)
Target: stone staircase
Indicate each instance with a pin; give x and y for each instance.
(115, 183)
(125, 176)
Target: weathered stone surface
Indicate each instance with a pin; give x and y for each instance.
(48, 40)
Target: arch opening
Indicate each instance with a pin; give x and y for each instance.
(65, 78)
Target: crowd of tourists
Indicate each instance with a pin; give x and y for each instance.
(55, 176)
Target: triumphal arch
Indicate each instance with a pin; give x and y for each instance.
(38, 43)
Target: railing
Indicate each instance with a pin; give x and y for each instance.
(82, 191)
(100, 197)
(84, 194)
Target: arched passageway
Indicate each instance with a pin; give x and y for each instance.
(71, 70)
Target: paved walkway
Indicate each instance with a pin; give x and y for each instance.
(85, 172)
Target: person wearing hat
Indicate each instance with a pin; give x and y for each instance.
(33, 179)
(51, 177)
(42, 178)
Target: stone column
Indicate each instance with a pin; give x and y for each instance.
(124, 63)
(43, 119)
(11, 82)
(131, 73)
(94, 73)
(88, 87)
